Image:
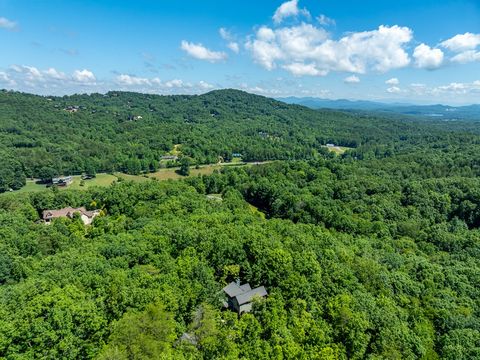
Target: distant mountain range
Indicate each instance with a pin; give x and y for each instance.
(445, 112)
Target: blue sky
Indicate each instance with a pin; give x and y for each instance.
(420, 51)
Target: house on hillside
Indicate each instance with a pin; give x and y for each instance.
(170, 157)
(62, 181)
(72, 109)
(68, 212)
(240, 297)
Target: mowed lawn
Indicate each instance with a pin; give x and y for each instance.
(107, 179)
(99, 180)
(171, 173)
(339, 150)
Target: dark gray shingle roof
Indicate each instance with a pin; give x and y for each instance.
(233, 289)
(248, 296)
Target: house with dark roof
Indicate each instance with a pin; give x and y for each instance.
(240, 297)
(62, 181)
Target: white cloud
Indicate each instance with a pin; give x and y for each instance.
(51, 78)
(394, 90)
(84, 76)
(130, 80)
(176, 83)
(155, 85)
(427, 58)
(5, 79)
(379, 50)
(264, 49)
(301, 69)
(325, 20)
(31, 73)
(198, 51)
(234, 47)
(351, 80)
(206, 86)
(450, 92)
(232, 44)
(55, 74)
(462, 42)
(392, 81)
(466, 57)
(7, 24)
(458, 88)
(225, 34)
(288, 9)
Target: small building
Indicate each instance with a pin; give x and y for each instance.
(240, 297)
(72, 109)
(68, 212)
(236, 155)
(62, 181)
(330, 145)
(170, 157)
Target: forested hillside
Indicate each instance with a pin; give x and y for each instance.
(43, 137)
(371, 254)
(362, 259)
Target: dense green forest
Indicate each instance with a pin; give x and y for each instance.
(372, 254)
(43, 137)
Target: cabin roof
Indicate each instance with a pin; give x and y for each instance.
(248, 296)
(233, 289)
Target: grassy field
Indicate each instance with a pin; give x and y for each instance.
(167, 174)
(339, 150)
(134, 178)
(100, 180)
(108, 179)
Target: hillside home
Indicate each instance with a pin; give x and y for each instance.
(62, 181)
(240, 297)
(72, 109)
(68, 212)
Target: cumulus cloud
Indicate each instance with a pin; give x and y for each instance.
(198, 51)
(458, 88)
(31, 73)
(232, 44)
(129, 80)
(301, 69)
(51, 78)
(462, 42)
(454, 90)
(6, 80)
(205, 86)
(379, 50)
(392, 81)
(176, 83)
(466, 57)
(55, 74)
(325, 20)
(225, 34)
(84, 76)
(427, 57)
(234, 47)
(351, 80)
(155, 85)
(288, 9)
(8, 24)
(394, 90)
